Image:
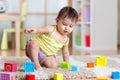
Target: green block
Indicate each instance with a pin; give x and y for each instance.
(78, 39)
(65, 65)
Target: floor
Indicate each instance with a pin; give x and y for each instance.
(72, 52)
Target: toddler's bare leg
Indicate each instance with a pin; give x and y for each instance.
(50, 62)
(33, 50)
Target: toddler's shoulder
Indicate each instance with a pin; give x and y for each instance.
(50, 28)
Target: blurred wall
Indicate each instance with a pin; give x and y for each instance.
(119, 22)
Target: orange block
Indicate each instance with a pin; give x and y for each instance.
(102, 78)
(90, 65)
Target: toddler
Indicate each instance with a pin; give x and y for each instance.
(42, 49)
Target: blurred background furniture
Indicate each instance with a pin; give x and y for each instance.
(4, 42)
(16, 21)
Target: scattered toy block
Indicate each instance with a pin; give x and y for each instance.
(58, 76)
(102, 78)
(115, 75)
(90, 65)
(75, 68)
(65, 65)
(7, 75)
(101, 61)
(29, 67)
(10, 67)
(30, 77)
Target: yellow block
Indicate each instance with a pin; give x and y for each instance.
(58, 76)
(101, 61)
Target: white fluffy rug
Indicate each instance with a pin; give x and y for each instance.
(113, 64)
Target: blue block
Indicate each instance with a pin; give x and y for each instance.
(115, 75)
(75, 69)
(29, 67)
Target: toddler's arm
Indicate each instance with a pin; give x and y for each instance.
(65, 53)
(39, 30)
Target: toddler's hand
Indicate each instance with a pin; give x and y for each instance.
(31, 30)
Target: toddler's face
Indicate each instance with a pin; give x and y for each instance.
(65, 26)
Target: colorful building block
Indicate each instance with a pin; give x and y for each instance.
(102, 78)
(90, 65)
(87, 40)
(7, 75)
(65, 65)
(101, 61)
(58, 76)
(75, 68)
(30, 77)
(115, 75)
(10, 67)
(29, 67)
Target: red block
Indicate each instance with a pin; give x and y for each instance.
(10, 67)
(87, 40)
(30, 77)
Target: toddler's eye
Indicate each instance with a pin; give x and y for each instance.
(64, 24)
(71, 26)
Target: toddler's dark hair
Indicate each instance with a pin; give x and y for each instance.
(68, 12)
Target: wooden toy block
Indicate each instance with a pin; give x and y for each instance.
(115, 75)
(58, 76)
(90, 65)
(29, 67)
(7, 75)
(101, 61)
(30, 77)
(102, 78)
(75, 68)
(10, 67)
(65, 65)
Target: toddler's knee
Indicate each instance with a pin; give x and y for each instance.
(51, 65)
(54, 65)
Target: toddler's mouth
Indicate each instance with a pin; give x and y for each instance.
(65, 31)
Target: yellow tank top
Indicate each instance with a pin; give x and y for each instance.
(48, 44)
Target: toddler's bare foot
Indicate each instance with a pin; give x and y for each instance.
(38, 68)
